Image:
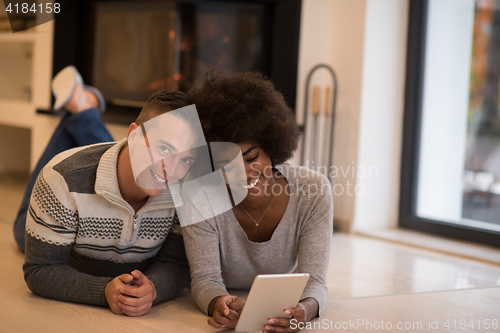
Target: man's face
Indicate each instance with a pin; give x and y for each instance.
(162, 155)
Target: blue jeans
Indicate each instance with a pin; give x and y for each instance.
(74, 130)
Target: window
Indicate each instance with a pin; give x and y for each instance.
(451, 150)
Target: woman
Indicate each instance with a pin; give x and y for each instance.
(283, 225)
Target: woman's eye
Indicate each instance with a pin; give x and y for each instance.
(186, 161)
(253, 158)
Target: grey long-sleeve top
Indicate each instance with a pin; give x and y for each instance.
(221, 256)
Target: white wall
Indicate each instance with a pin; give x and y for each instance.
(332, 32)
(381, 114)
(365, 43)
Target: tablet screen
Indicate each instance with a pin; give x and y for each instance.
(269, 296)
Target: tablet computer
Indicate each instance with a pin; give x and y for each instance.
(269, 296)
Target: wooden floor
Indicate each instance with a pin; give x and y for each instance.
(373, 285)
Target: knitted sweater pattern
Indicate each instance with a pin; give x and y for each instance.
(76, 200)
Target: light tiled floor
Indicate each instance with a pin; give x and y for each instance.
(475, 251)
(359, 266)
(362, 266)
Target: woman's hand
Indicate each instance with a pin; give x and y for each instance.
(227, 310)
(303, 313)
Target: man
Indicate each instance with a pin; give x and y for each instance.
(93, 235)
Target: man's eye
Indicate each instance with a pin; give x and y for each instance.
(164, 149)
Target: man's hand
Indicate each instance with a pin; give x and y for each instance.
(112, 291)
(137, 298)
(226, 312)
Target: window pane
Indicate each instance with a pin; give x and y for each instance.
(459, 163)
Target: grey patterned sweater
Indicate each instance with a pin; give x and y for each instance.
(221, 256)
(81, 233)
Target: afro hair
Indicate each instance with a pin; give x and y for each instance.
(246, 108)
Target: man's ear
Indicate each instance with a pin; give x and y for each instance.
(132, 133)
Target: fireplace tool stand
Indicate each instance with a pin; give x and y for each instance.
(326, 120)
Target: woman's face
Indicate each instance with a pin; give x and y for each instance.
(258, 168)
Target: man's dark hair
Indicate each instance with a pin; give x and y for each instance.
(161, 102)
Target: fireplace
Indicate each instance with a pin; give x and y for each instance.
(130, 49)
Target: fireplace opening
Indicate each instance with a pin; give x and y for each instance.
(130, 49)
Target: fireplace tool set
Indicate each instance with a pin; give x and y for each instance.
(317, 141)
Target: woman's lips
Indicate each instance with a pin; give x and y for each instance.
(253, 184)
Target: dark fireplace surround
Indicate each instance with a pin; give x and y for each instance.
(276, 28)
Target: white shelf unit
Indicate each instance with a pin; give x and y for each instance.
(23, 114)
(18, 37)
